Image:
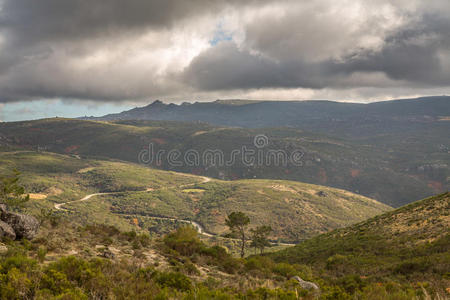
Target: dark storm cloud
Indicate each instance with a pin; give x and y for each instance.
(40, 41)
(36, 21)
(114, 50)
(32, 28)
(416, 54)
(227, 67)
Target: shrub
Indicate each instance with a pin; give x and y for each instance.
(261, 263)
(101, 230)
(184, 240)
(190, 269)
(338, 262)
(41, 253)
(173, 280)
(351, 283)
(284, 269)
(413, 265)
(15, 284)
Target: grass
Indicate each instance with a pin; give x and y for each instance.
(294, 210)
(410, 244)
(364, 261)
(386, 167)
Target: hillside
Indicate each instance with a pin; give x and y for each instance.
(295, 211)
(80, 261)
(393, 169)
(410, 244)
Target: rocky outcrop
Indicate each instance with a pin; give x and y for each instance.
(307, 285)
(2, 208)
(23, 226)
(6, 231)
(3, 248)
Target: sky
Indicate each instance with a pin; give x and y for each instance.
(77, 57)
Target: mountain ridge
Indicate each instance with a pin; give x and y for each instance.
(309, 109)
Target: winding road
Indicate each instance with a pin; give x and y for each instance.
(59, 205)
(197, 226)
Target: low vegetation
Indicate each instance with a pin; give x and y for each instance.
(295, 211)
(12, 194)
(69, 261)
(374, 164)
(106, 248)
(408, 246)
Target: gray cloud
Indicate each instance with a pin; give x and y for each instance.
(227, 67)
(56, 20)
(116, 50)
(417, 53)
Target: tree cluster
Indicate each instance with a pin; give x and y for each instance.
(238, 222)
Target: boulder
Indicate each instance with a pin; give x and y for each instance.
(23, 225)
(107, 253)
(6, 231)
(3, 248)
(307, 285)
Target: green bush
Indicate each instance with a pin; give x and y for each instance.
(420, 265)
(262, 264)
(41, 253)
(173, 280)
(184, 240)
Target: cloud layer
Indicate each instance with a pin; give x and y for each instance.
(134, 50)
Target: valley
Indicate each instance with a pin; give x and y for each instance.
(394, 168)
(116, 193)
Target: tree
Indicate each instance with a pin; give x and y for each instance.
(11, 193)
(259, 237)
(237, 222)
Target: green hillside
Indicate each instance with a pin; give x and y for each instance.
(408, 245)
(69, 260)
(391, 169)
(295, 211)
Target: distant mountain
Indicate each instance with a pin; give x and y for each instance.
(350, 119)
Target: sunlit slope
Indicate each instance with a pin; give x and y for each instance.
(294, 210)
(412, 243)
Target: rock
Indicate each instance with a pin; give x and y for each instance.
(24, 226)
(307, 285)
(3, 248)
(108, 254)
(6, 231)
(322, 194)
